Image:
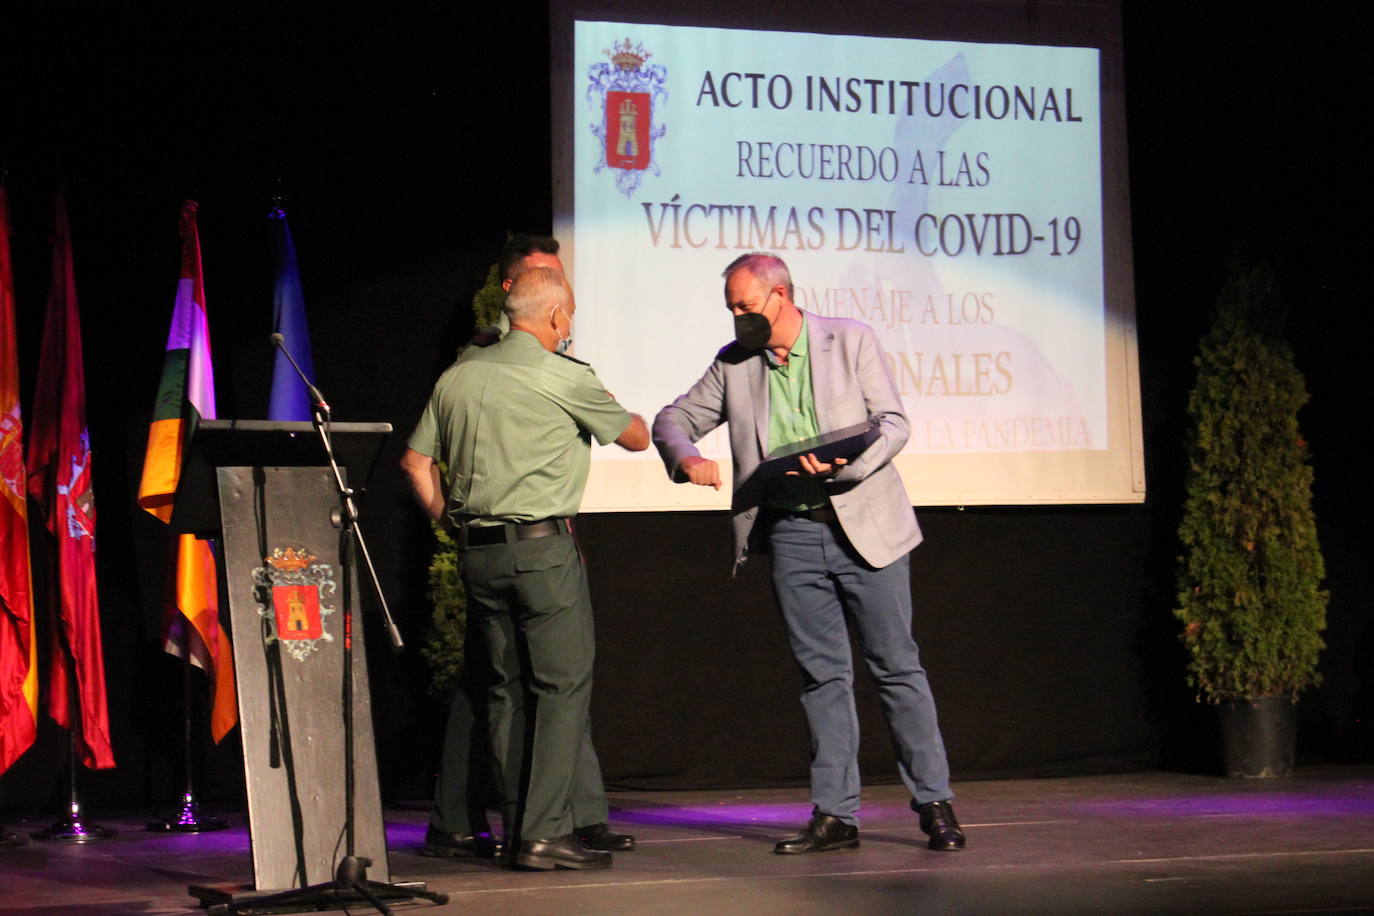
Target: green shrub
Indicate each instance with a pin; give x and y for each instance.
(1250, 594)
(443, 648)
(487, 301)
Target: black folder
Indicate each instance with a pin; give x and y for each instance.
(847, 443)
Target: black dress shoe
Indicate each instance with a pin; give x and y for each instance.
(441, 845)
(566, 851)
(822, 834)
(939, 823)
(599, 836)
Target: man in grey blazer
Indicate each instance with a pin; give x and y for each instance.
(839, 533)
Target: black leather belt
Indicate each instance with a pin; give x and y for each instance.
(509, 532)
(824, 514)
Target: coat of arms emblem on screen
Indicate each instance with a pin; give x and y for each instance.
(625, 93)
(293, 594)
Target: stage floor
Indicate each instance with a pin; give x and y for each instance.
(1133, 843)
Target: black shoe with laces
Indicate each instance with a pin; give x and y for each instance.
(442, 845)
(567, 851)
(939, 823)
(822, 834)
(600, 836)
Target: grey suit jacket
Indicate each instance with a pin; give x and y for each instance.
(851, 384)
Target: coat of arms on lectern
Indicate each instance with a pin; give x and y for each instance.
(294, 592)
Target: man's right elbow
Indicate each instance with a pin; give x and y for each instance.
(415, 465)
(635, 438)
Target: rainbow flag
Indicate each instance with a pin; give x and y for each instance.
(185, 396)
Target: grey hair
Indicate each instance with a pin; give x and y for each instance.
(767, 268)
(535, 293)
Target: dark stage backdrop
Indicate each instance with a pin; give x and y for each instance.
(408, 145)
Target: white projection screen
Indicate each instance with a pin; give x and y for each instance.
(952, 174)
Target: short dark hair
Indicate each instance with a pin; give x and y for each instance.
(522, 245)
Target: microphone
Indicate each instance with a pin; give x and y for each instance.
(279, 341)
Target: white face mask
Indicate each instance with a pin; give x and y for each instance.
(564, 343)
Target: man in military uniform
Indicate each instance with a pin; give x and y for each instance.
(514, 421)
(458, 822)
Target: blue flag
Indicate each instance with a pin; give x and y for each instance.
(290, 400)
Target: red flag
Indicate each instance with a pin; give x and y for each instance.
(60, 480)
(18, 650)
(185, 397)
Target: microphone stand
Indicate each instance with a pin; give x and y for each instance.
(350, 882)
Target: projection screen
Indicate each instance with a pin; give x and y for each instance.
(945, 179)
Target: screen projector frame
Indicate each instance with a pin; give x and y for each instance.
(622, 483)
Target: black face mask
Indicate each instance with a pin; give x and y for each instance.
(752, 329)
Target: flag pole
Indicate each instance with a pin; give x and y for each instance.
(10, 838)
(71, 827)
(189, 819)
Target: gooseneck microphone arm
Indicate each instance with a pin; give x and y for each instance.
(317, 399)
(349, 507)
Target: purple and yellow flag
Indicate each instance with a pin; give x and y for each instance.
(18, 648)
(186, 396)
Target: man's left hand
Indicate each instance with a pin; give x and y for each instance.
(811, 466)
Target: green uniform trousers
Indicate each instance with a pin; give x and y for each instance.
(466, 785)
(534, 610)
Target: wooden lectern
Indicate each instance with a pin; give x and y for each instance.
(266, 489)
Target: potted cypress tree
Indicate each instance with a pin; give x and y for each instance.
(1250, 582)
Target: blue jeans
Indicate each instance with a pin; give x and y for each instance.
(819, 579)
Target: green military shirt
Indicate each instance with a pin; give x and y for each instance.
(792, 418)
(514, 423)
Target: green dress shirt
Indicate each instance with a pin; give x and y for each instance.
(792, 418)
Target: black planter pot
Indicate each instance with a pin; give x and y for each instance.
(1259, 737)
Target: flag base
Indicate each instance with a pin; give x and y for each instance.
(188, 820)
(73, 830)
